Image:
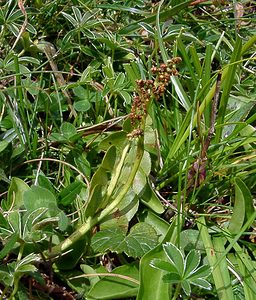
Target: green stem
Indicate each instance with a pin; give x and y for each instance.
(92, 221)
(177, 292)
(117, 174)
(125, 189)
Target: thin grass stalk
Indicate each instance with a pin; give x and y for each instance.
(226, 86)
(20, 98)
(234, 240)
(186, 59)
(212, 259)
(159, 34)
(182, 136)
(248, 282)
(206, 80)
(218, 243)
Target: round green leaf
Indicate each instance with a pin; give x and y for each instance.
(82, 105)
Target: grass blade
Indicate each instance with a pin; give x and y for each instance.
(227, 85)
(212, 259)
(218, 243)
(150, 20)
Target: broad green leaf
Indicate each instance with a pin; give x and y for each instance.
(38, 197)
(150, 285)
(145, 164)
(128, 207)
(238, 108)
(117, 139)
(69, 193)
(24, 269)
(119, 80)
(201, 272)
(202, 283)
(132, 71)
(15, 221)
(172, 278)
(150, 140)
(141, 239)
(3, 145)
(89, 270)
(116, 287)
(150, 199)
(17, 151)
(82, 105)
(94, 201)
(140, 179)
(124, 213)
(68, 130)
(191, 262)
(108, 68)
(159, 224)
(126, 96)
(6, 278)
(243, 206)
(116, 221)
(164, 265)
(57, 137)
(83, 164)
(33, 222)
(186, 287)
(70, 18)
(44, 182)
(109, 159)
(175, 256)
(73, 255)
(108, 239)
(9, 246)
(100, 178)
(139, 182)
(63, 221)
(3, 222)
(190, 238)
(15, 194)
(246, 260)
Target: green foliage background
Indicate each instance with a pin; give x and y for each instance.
(127, 141)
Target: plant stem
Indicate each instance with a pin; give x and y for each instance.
(177, 292)
(117, 174)
(92, 221)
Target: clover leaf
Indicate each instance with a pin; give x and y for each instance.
(183, 270)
